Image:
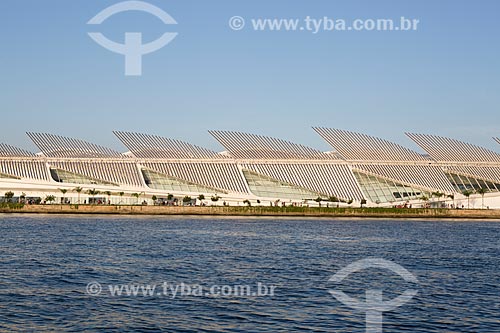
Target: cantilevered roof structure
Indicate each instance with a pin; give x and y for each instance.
(361, 147)
(251, 146)
(156, 147)
(11, 151)
(462, 161)
(17, 163)
(446, 149)
(59, 146)
(183, 162)
(384, 159)
(497, 140)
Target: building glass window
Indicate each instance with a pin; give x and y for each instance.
(160, 181)
(267, 187)
(382, 190)
(63, 176)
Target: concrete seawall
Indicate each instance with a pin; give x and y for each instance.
(258, 211)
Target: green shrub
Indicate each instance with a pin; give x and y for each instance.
(11, 205)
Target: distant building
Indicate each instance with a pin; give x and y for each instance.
(255, 168)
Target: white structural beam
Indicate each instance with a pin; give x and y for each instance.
(11, 151)
(251, 146)
(358, 147)
(452, 150)
(156, 147)
(62, 147)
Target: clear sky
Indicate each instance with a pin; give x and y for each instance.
(442, 79)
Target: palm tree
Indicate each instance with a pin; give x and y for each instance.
(108, 193)
(318, 200)
(363, 202)
(78, 190)
(50, 198)
(215, 198)
(136, 195)
(63, 191)
(482, 191)
(186, 199)
(468, 193)
(201, 197)
(121, 196)
(424, 198)
(9, 195)
(452, 197)
(93, 193)
(437, 194)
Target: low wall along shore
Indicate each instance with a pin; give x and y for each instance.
(255, 211)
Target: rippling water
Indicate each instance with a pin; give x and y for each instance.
(46, 263)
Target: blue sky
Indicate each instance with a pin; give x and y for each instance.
(442, 79)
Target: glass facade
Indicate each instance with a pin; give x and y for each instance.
(463, 183)
(3, 175)
(63, 176)
(159, 181)
(263, 186)
(382, 190)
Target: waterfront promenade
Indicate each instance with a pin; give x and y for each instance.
(257, 211)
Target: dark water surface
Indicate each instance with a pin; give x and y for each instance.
(46, 263)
